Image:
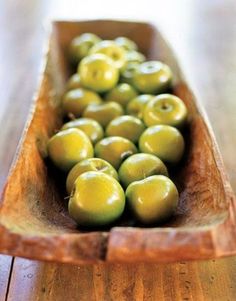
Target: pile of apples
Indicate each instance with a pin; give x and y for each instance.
(124, 131)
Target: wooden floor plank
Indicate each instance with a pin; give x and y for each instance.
(5, 272)
(202, 281)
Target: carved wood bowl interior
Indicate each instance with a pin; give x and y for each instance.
(34, 221)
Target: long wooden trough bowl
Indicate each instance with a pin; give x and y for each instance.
(34, 222)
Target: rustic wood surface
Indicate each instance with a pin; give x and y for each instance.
(204, 36)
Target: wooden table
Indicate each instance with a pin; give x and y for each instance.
(203, 34)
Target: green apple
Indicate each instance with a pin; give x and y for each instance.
(92, 164)
(89, 126)
(122, 94)
(80, 46)
(97, 199)
(134, 57)
(112, 50)
(75, 101)
(126, 126)
(127, 73)
(153, 200)
(103, 113)
(164, 141)
(98, 72)
(126, 43)
(114, 150)
(140, 166)
(136, 106)
(73, 82)
(165, 109)
(68, 147)
(152, 77)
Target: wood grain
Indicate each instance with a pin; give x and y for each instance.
(14, 105)
(131, 282)
(5, 271)
(204, 36)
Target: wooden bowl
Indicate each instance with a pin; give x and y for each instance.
(34, 221)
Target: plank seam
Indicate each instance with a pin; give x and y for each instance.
(9, 280)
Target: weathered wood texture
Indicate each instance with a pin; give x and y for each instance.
(117, 282)
(6, 263)
(204, 36)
